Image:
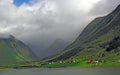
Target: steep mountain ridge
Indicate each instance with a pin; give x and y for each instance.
(98, 27)
(14, 51)
(95, 40)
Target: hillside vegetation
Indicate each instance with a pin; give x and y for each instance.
(97, 45)
(13, 51)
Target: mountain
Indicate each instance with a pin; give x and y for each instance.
(14, 51)
(99, 41)
(57, 46)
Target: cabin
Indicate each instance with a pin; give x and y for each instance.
(92, 62)
(89, 62)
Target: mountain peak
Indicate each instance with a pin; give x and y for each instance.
(119, 5)
(11, 36)
(6, 36)
(116, 10)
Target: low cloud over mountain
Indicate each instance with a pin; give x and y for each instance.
(40, 22)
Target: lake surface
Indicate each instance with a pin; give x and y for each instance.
(83, 71)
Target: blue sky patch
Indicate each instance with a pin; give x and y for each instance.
(20, 2)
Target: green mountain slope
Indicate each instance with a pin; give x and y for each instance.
(99, 41)
(13, 51)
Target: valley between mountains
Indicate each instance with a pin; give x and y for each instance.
(97, 46)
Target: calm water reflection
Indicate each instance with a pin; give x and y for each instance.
(85, 71)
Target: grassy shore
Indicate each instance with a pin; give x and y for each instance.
(81, 65)
(65, 65)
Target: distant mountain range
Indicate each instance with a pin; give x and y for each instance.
(14, 51)
(57, 46)
(99, 41)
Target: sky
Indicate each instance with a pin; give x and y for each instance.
(20, 2)
(39, 22)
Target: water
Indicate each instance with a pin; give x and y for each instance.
(85, 71)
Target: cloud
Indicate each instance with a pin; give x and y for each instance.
(39, 24)
(104, 7)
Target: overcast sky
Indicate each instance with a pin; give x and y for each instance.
(39, 22)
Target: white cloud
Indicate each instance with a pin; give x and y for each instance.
(104, 7)
(45, 20)
(43, 14)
